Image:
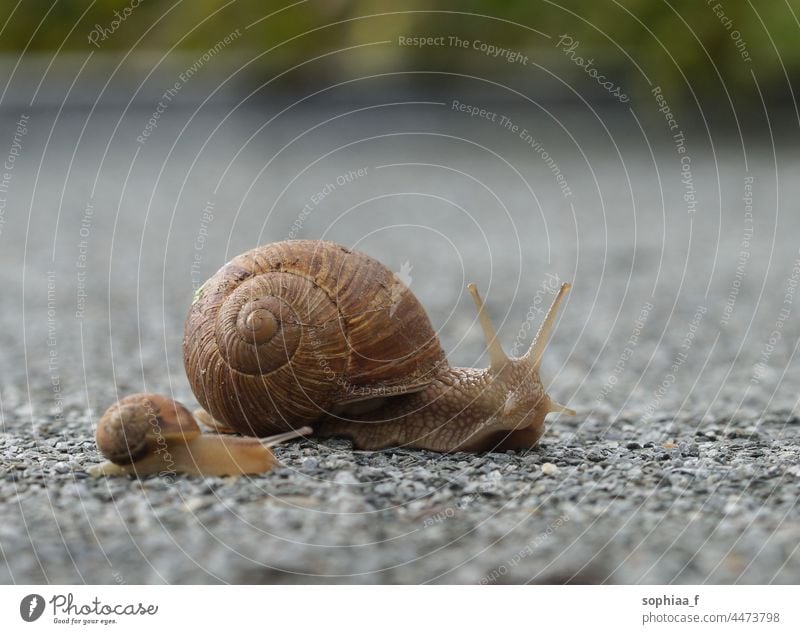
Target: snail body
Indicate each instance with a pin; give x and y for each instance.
(308, 332)
(145, 434)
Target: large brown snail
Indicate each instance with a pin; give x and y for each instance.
(308, 332)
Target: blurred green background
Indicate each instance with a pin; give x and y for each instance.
(692, 48)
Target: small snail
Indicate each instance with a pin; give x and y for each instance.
(309, 332)
(148, 433)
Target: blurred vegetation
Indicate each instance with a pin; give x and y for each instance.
(685, 46)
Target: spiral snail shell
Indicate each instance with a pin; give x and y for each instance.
(309, 332)
(144, 434)
(287, 332)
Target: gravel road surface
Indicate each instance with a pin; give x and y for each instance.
(677, 345)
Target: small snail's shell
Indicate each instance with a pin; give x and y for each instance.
(284, 333)
(126, 428)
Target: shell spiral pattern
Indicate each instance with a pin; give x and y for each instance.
(285, 333)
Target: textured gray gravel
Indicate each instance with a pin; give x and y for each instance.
(695, 482)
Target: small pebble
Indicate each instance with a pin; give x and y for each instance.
(345, 477)
(309, 464)
(548, 468)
